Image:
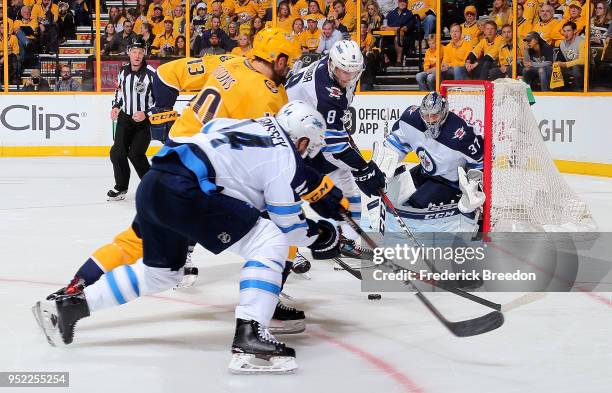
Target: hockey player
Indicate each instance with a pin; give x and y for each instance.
(329, 85)
(436, 195)
(188, 74)
(257, 82)
(212, 187)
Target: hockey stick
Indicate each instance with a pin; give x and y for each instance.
(465, 328)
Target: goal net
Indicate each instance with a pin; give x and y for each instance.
(525, 191)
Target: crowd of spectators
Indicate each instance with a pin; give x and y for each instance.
(160, 23)
(550, 51)
(40, 26)
(476, 37)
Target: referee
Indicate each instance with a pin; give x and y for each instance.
(131, 109)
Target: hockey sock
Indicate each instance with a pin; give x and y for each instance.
(128, 282)
(90, 272)
(260, 285)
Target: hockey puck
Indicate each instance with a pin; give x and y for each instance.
(374, 296)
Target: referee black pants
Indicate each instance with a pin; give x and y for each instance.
(131, 142)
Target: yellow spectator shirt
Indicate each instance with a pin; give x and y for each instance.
(505, 55)
(455, 56)
(13, 45)
(430, 59)
(310, 41)
(550, 31)
(486, 48)
(161, 40)
(421, 7)
(299, 9)
(238, 51)
(39, 12)
(471, 33)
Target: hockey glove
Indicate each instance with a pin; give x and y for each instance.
(327, 245)
(370, 179)
(327, 200)
(469, 184)
(161, 120)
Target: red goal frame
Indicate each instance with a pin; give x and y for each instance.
(487, 88)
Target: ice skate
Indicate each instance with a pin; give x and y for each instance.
(116, 195)
(350, 249)
(287, 320)
(301, 265)
(190, 273)
(76, 285)
(57, 318)
(256, 351)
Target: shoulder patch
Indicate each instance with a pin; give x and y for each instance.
(459, 133)
(271, 85)
(334, 92)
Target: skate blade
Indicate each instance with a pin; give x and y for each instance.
(248, 364)
(286, 327)
(117, 198)
(188, 281)
(302, 276)
(45, 314)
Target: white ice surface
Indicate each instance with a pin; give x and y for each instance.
(54, 214)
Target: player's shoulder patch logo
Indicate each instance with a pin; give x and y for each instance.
(224, 237)
(270, 85)
(459, 134)
(412, 109)
(427, 163)
(334, 92)
(225, 58)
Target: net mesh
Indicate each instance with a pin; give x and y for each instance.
(527, 190)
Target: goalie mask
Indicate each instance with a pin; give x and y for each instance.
(300, 120)
(434, 111)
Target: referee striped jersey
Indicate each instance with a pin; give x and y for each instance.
(135, 89)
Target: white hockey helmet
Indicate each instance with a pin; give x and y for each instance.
(345, 63)
(300, 120)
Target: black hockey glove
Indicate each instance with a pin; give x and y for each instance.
(327, 245)
(327, 200)
(161, 120)
(370, 179)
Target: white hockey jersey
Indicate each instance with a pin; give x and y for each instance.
(253, 161)
(456, 146)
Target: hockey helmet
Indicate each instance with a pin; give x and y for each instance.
(345, 63)
(434, 111)
(272, 42)
(300, 120)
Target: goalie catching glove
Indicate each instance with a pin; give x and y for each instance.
(162, 120)
(370, 179)
(469, 184)
(326, 199)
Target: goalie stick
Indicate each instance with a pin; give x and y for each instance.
(465, 328)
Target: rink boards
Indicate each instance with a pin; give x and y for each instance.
(576, 129)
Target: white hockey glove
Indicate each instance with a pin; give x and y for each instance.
(469, 184)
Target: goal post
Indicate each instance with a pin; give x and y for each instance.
(524, 189)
